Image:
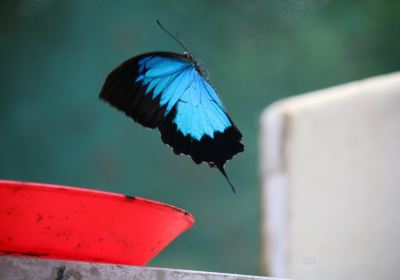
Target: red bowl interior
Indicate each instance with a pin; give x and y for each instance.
(80, 224)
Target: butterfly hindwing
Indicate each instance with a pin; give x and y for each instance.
(200, 127)
(167, 90)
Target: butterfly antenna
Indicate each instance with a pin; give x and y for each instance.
(222, 170)
(172, 36)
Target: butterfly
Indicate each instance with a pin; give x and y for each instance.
(169, 91)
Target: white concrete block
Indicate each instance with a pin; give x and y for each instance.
(330, 169)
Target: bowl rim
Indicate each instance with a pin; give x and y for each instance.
(95, 192)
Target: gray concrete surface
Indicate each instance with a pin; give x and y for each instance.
(31, 268)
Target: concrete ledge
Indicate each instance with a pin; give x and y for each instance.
(31, 268)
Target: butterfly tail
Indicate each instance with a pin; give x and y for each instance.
(222, 170)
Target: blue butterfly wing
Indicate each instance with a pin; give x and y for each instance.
(200, 127)
(144, 87)
(165, 90)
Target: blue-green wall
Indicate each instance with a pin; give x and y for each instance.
(54, 56)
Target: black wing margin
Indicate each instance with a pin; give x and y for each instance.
(215, 151)
(123, 92)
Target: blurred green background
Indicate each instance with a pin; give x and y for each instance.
(55, 56)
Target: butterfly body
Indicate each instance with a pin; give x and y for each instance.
(170, 92)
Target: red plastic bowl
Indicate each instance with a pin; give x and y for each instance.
(79, 224)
